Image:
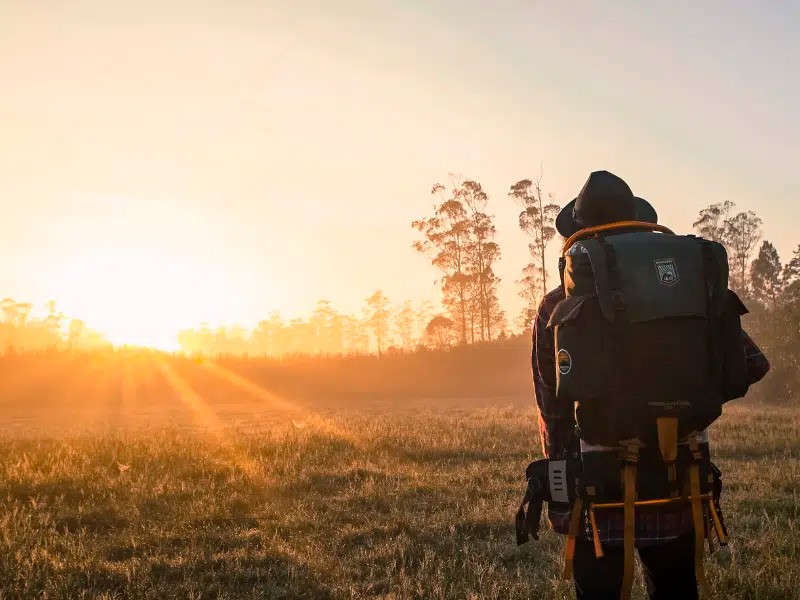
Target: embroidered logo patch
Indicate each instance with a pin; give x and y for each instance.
(564, 362)
(667, 271)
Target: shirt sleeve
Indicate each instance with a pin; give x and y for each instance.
(757, 364)
(556, 418)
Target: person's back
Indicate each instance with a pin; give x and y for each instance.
(647, 355)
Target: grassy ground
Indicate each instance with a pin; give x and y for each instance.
(364, 505)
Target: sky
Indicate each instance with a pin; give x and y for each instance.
(187, 161)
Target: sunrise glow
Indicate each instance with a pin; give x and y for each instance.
(138, 297)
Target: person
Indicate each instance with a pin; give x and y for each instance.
(664, 535)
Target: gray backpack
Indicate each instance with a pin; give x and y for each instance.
(648, 330)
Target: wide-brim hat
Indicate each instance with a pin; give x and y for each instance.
(605, 198)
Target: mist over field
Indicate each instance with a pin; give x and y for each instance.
(240, 499)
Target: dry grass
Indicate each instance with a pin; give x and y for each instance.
(367, 505)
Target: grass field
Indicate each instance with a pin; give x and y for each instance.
(412, 502)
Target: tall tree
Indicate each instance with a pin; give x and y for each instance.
(404, 323)
(9, 308)
(537, 220)
(766, 276)
(791, 277)
(530, 291)
(327, 328)
(422, 316)
(739, 234)
(439, 332)
(742, 232)
(377, 318)
(497, 318)
(268, 336)
(76, 330)
(712, 221)
(483, 252)
(23, 311)
(355, 334)
(446, 238)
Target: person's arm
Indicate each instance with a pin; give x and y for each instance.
(757, 363)
(556, 419)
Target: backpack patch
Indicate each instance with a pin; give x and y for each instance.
(667, 271)
(564, 362)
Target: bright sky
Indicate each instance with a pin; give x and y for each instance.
(183, 161)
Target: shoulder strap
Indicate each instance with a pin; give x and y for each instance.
(599, 258)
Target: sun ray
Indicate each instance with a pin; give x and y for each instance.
(207, 418)
(271, 398)
(201, 412)
(310, 417)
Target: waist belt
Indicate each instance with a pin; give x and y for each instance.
(559, 481)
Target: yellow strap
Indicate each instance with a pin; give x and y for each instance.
(589, 231)
(721, 535)
(699, 527)
(569, 548)
(668, 438)
(598, 546)
(668, 444)
(707, 528)
(645, 503)
(629, 531)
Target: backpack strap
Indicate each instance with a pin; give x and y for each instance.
(697, 513)
(716, 508)
(668, 444)
(598, 257)
(713, 310)
(631, 464)
(591, 493)
(612, 228)
(598, 545)
(572, 533)
(526, 523)
(719, 524)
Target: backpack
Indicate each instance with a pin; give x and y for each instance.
(648, 347)
(648, 331)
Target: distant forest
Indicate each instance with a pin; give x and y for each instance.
(458, 237)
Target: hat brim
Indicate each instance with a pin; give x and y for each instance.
(566, 224)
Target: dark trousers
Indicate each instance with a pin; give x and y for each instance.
(668, 570)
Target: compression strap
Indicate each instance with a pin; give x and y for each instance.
(572, 533)
(668, 444)
(697, 516)
(598, 546)
(629, 518)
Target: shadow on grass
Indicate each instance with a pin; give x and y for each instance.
(70, 490)
(331, 483)
(234, 574)
(96, 521)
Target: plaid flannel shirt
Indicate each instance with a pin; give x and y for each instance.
(557, 430)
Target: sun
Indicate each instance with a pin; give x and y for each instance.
(138, 297)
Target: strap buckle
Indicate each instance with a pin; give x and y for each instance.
(630, 451)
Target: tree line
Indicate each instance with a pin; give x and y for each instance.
(381, 328)
(768, 286)
(20, 332)
(458, 236)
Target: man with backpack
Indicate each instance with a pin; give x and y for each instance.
(633, 357)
